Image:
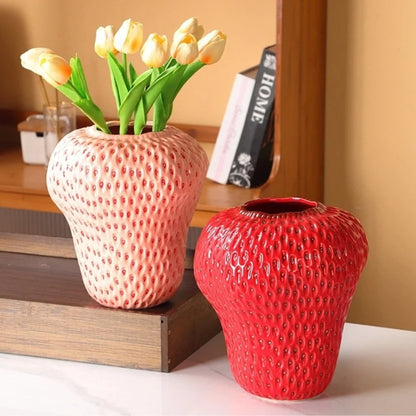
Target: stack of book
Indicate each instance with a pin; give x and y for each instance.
(243, 153)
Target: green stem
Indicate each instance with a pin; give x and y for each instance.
(124, 57)
(44, 92)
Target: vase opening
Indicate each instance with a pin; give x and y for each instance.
(114, 128)
(279, 205)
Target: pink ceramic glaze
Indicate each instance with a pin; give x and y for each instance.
(128, 201)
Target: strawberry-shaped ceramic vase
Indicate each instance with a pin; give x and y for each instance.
(128, 201)
(281, 273)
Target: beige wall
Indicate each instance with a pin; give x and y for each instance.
(69, 27)
(371, 147)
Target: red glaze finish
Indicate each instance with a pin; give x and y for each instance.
(281, 273)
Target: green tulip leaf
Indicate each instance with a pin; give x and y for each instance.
(155, 88)
(189, 71)
(129, 103)
(69, 91)
(140, 118)
(93, 113)
(159, 114)
(133, 73)
(118, 79)
(78, 78)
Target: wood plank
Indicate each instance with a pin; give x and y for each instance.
(300, 99)
(45, 311)
(80, 334)
(37, 244)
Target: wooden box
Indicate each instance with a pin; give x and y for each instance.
(45, 311)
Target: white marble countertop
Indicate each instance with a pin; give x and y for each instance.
(376, 374)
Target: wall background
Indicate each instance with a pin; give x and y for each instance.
(370, 139)
(69, 28)
(370, 106)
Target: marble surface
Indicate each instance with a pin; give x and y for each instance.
(376, 374)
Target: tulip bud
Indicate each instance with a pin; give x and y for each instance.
(154, 52)
(30, 59)
(190, 26)
(211, 47)
(129, 37)
(184, 49)
(104, 41)
(54, 69)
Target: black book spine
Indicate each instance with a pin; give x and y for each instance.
(257, 124)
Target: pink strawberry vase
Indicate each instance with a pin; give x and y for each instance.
(128, 201)
(281, 273)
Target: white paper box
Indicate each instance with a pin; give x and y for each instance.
(32, 140)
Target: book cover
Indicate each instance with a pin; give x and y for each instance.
(256, 142)
(232, 126)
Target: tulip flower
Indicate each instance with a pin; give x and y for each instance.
(190, 26)
(184, 49)
(154, 52)
(135, 94)
(211, 47)
(128, 39)
(54, 69)
(104, 41)
(30, 59)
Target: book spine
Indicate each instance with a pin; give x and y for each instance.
(231, 128)
(257, 123)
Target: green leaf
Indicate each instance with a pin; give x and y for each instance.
(140, 118)
(150, 95)
(78, 78)
(170, 91)
(129, 103)
(69, 91)
(93, 113)
(118, 79)
(159, 114)
(133, 73)
(189, 71)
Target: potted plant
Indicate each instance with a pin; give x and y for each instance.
(128, 189)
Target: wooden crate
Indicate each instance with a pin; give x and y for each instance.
(45, 311)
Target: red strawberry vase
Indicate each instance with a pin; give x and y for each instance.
(281, 273)
(128, 201)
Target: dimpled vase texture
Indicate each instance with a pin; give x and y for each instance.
(128, 201)
(281, 273)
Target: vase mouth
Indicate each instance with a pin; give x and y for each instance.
(277, 206)
(115, 125)
(114, 134)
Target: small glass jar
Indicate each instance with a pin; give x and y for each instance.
(58, 121)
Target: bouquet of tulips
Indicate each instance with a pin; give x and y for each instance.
(134, 94)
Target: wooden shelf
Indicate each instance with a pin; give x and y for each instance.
(23, 186)
(45, 311)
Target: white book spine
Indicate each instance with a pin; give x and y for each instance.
(231, 128)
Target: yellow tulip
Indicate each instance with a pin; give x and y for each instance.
(211, 47)
(184, 48)
(104, 41)
(129, 38)
(54, 69)
(154, 52)
(190, 26)
(30, 59)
